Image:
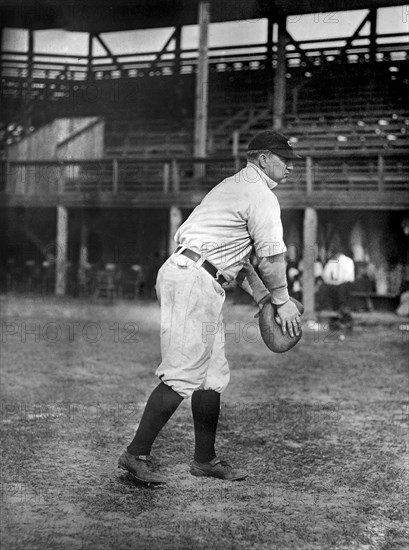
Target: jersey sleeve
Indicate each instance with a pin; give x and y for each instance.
(264, 225)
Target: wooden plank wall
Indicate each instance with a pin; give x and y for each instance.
(62, 138)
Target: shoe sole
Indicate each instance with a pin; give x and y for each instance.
(148, 481)
(201, 473)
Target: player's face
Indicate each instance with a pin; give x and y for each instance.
(277, 168)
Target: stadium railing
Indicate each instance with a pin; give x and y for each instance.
(61, 68)
(373, 174)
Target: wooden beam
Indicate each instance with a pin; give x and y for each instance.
(35, 239)
(279, 77)
(177, 63)
(30, 61)
(1, 48)
(175, 221)
(269, 60)
(106, 48)
(90, 74)
(372, 45)
(83, 252)
(175, 175)
(202, 87)
(115, 176)
(166, 177)
(178, 49)
(297, 47)
(164, 48)
(356, 33)
(62, 245)
(309, 176)
(309, 250)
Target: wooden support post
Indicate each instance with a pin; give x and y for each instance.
(236, 152)
(294, 110)
(178, 50)
(310, 240)
(309, 175)
(175, 176)
(61, 258)
(280, 76)
(202, 88)
(166, 177)
(90, 56)
(372, 46)
(115, 177)
(269, 61)
(30, 62)
(28, 87)
(175, 220)
(1, 50)
(179, 100)
(83, 254)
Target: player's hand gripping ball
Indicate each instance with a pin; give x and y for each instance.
(271, 330)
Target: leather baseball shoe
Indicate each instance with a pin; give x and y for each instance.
(217, 468)
(140, 467)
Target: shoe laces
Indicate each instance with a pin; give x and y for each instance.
(225, 464)
(145, 458)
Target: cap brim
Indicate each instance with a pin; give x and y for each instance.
(287, 154)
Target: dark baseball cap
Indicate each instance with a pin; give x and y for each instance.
(275, 142)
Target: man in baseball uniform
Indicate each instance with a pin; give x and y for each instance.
(237, 216)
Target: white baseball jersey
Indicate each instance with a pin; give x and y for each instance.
(237, 214)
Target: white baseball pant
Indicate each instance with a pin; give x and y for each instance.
(192, 330)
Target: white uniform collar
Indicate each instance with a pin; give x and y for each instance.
(268, 181)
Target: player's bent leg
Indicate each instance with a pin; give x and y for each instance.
(161, 405)
(205, 410)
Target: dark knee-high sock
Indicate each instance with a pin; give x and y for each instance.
(161, 404)
(205, 410)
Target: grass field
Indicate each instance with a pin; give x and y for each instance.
(322, 430)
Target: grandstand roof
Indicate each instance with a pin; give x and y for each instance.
(118, 15)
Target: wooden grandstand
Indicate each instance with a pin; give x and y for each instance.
(136, 142)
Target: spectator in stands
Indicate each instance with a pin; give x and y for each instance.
(138, 278)
(338, 276)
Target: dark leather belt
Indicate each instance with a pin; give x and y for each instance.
(209, 267)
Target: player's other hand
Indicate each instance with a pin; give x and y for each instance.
(289, 317)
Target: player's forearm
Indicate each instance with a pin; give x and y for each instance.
(273, 273)
(251, 283)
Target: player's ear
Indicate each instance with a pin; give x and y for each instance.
(262, 160)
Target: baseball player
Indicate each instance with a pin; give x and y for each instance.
(237, 216)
